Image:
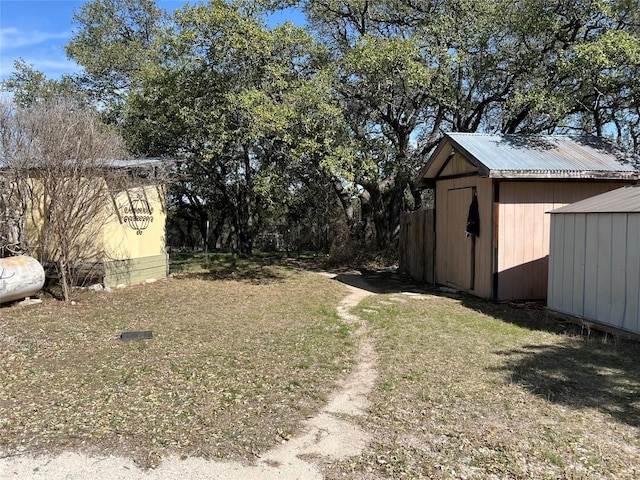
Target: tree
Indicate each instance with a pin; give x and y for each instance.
(592, 64)
(229, 96)
(389, 87)
(114, 40)
(31, 87)
(15, 150)
(407, 71)
(57, 156)
(261, 114)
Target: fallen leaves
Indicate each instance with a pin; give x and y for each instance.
(223, 377)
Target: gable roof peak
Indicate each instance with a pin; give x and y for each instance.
(534, 156)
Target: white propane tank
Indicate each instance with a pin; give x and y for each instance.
(20, 277)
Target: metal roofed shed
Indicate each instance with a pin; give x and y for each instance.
(516, 180)
(594, 260)
(124, 241)
(535, 156)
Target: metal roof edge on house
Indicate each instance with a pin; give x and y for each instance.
(117, 163)
(141, 162)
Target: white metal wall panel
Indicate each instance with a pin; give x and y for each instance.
(603, 294)
(554, 293)
(631, 321)
(579, 256)
(590, 268)
(567, 263)
(594, 267)
(618, 268)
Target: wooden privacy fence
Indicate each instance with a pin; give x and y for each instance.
(417, 244)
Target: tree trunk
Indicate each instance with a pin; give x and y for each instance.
(216, 233)
(63, 278)
(347, 207)
(379, 214)
(394, 208)
(245, 201)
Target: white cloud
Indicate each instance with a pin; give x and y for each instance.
(52, 67)
(43, 50)
(13, 38)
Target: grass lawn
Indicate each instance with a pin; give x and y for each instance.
(482, 391)
(241, 353)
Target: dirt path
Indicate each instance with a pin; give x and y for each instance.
(331, 435)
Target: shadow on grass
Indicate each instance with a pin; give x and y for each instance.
(259, 269)
(585, 370)
(382, 281)
(581, 373)
(226, 266)
(530, 315)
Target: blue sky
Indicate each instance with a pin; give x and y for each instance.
(38, 30)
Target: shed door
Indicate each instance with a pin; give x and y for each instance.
(458, 248)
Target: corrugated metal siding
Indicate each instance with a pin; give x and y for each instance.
(621, 200)
(594, 268)
(632, 301)
(551, 156)
(116, 163)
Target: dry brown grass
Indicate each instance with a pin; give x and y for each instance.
(481, 391)
(234, 365)
(243, 351)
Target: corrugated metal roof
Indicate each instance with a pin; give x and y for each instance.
(546, 156)
(621, 200)
(139, 162)
(121, 163)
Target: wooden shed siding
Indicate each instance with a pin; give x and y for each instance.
(595, 268)
(458, 253)
(523, 239)
(446, 242)
(458, 165)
